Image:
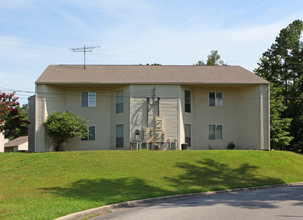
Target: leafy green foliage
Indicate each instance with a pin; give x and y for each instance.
(152, 64)
(8, 102)
(50, 185)
(282, 65)
(16, 123)
(279, 130)
(213, 59)
(231, 146)
(13, 120)
(62, 126)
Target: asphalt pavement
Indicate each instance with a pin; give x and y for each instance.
(285, 202)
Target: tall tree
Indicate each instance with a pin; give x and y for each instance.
(282, 65)
(279, 130)
(214, 59)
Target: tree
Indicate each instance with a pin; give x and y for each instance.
(8, 102)
(152, 64)
(282, 65)
(62, 126)
(213, 59)
(279, 130)
(16, 122)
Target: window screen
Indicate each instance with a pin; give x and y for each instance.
(219, 132)
(119, 135)
(188, 134)
(215, 99)
(187, 101)
(212, 99)
(211, 133)
(215, 132)
(119, 101)
(88, 99)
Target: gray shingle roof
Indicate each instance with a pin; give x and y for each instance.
(137, 74)
(17, 141)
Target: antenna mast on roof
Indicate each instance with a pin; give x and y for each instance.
(84, 50)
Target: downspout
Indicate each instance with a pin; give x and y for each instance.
(178, 118)
(158, 106)
(147, 110)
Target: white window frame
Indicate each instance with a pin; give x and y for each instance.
(218, 102)
(91, 99)
(216, 133)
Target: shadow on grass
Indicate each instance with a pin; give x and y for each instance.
(205, 175)
(210, 175)
(107, 190)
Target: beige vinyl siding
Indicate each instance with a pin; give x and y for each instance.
(169, 112)
(103, 116)
(265, 116)
(98, 116)
(138, 112)
(168, 108)
(186, 117)
(206, 115)
(23, 146)
(122, 118)
(249, 117)
(48, 99)
(244, 115)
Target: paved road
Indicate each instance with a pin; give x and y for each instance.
(274, 203)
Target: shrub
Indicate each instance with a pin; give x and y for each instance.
(231, 146)
(62, 126)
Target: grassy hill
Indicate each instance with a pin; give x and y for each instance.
(49, 185)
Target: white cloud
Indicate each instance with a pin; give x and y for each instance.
(241, 46)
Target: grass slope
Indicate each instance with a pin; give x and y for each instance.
(49, 185)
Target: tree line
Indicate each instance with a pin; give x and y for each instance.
(282, 65)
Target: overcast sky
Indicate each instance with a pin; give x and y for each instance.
(37, 33)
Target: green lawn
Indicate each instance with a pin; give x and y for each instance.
(49, 185)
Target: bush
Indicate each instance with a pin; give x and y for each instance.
(231, 146)
(62, 126)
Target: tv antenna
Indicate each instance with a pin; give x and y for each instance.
(84, 49)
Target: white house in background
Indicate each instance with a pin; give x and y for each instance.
(163, 107)
(3, 141)
(18, 144)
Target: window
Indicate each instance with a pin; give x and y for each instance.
(119, 101)
(88, 99)
(119, 135)
(91, 134)
(187, 101)
(215, 99)
(188, 134)
(215, 132)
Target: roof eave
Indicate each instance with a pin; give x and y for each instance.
(153, 83)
